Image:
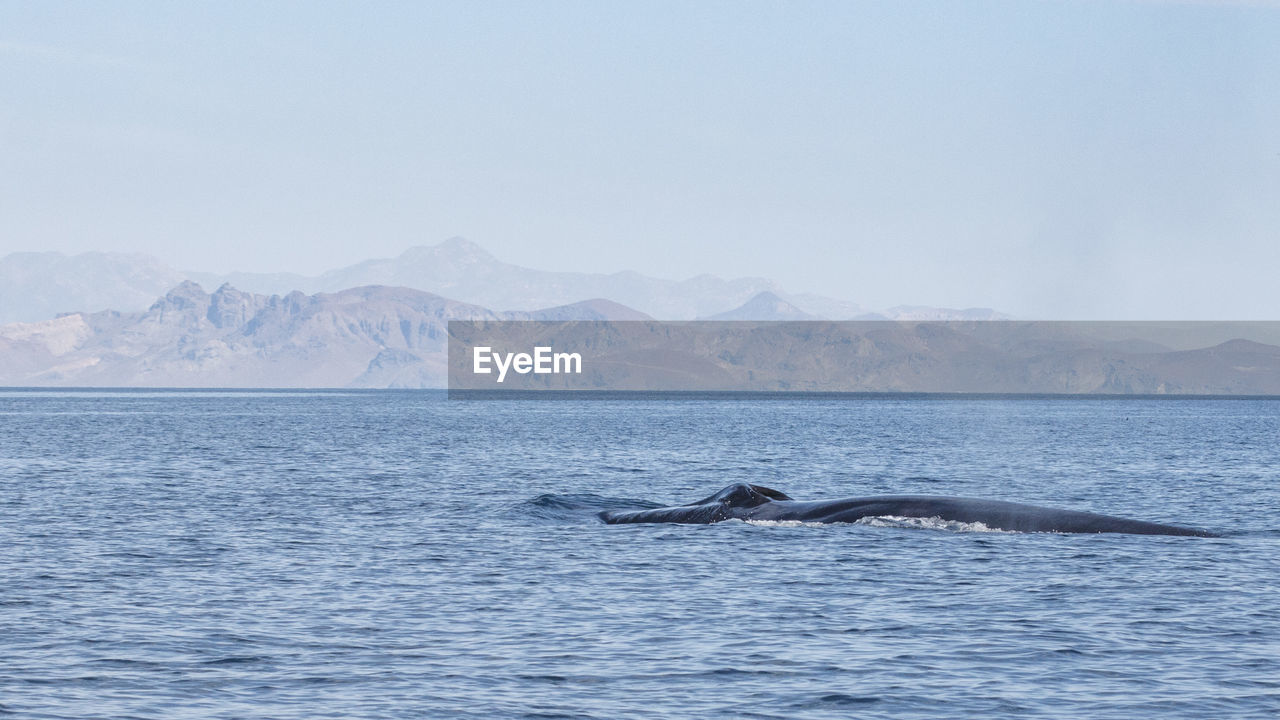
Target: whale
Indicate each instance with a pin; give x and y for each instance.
(743, 501)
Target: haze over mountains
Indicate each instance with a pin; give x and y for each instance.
(37, 286)
(373, 336)
(387, 337)
(94, 320)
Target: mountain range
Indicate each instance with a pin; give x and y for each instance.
(374, 336)
(388, 337)
(94, 320)
(38, 286)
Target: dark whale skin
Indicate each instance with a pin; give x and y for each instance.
(755, 502)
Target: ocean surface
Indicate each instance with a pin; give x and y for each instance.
(402, 555)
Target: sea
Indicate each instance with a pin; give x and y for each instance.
(387, 554)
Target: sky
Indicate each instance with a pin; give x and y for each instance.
(1053, 159)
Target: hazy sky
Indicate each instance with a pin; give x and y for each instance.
(1052, 159)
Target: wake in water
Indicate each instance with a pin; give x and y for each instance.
(573, 508)
(895, 521)
(930, 523)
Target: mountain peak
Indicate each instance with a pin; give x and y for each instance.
(454, 250)
(594, 309)
(457, 243)
(764, 305)
(188, 289)
(187, 295)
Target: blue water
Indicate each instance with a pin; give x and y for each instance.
(396, 555)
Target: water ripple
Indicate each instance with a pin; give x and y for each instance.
(389, 555)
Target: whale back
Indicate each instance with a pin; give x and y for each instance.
(754, 502)
(743, 495)
(711, 509)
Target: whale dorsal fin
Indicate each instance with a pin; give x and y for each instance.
(743, 495)
(771, 493)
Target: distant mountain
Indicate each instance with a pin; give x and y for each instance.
(595, 309)
(825, 307)
(764, 306)
(361, 337)
(37, 286)
(460, 269)
(190, 338)
(379, 336)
